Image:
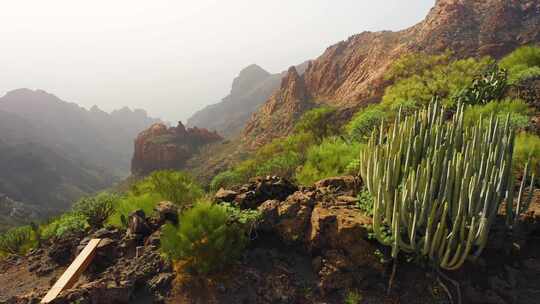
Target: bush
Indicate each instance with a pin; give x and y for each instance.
(205, 240)
(522, 63)
(519, 112)
(131, 202)
(416, 64)
(353, 297)
(332, 157)
(280, 157)
(365, 202)
(283, 165)
(523, 74)
(175, 186)
(489, 86)
(365, 121)
(15, 240)
(96, 209)
(317, 122)
(527, 147)
(226, 179)
(444, 80)
(68, 223)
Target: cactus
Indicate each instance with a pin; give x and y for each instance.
(438, 185)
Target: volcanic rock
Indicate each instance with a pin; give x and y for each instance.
(160, 147)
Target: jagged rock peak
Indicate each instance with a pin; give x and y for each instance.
(293, 86)
(248, 78)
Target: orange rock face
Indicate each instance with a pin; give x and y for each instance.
(351, 72)
(160, 147)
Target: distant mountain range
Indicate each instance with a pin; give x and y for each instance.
(52, 152)
(250, 89)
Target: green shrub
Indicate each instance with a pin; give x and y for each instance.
(519, 112)
(226, 179)
(317, 122)
(15, 240)
(366, 120)
(353, 297)
(298, 143)
(353, 168)
(365, 202)
(330, 158)
(444, 80)
(525, 55)
(68, 223)
(489, 86)
(205, 240)
(519, 61)
(175, 186)
(527, 146)
(524, 74)
(131, 202)
(96, 209)
(280, 157)
(416, 64)
(283, 165)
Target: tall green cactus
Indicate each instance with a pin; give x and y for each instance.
(438, 185)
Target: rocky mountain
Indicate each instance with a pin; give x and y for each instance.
(52, 152)
(161, 147)
(250, 89)
(351, 73)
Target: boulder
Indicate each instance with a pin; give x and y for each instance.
(289, 218)
(167, 211)
(63, 249)
(137, 224)
(225, 195)
(257, 191)
(269, 215)
(340, 184)
(339, 227)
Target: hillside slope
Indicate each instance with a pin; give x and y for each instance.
(93, 135)
(53, 152)
(351, 72)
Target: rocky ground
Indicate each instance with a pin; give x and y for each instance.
(312, 246)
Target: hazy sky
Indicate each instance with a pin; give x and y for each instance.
(173, 57)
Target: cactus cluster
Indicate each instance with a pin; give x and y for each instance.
(438, 185)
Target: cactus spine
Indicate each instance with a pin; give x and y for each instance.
(438, 186)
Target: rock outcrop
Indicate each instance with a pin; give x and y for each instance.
(323, 220)
(127, 264)
(160, 147)
(352, 72)
(250, 89)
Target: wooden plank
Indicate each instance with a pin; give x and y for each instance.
(74, 271)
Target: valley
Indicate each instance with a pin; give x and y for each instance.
(395, 167)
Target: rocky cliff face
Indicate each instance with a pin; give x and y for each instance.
(351, 72)
(250, 89)
(160, 147)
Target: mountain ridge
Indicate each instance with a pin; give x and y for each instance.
(52, 152)
(351, 72)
